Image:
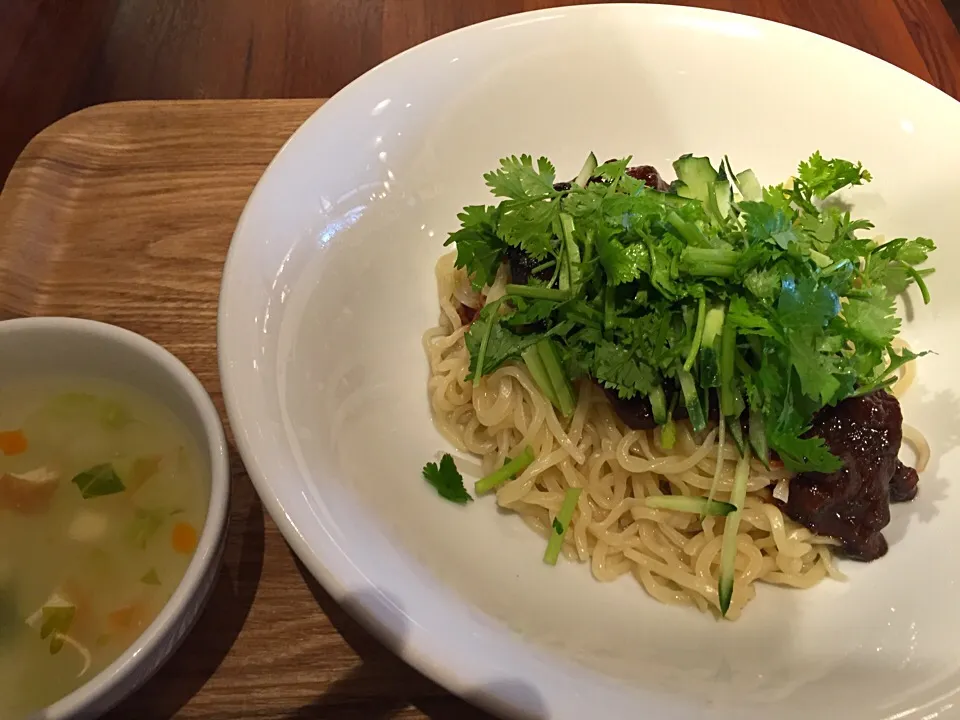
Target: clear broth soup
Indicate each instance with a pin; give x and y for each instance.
(103, 494)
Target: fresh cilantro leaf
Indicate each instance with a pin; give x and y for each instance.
(874, 320)
(623, 264)
(447, 480)
(766, 223)
(557, 526)
(804, 454)
(518, 179)
(531, 312)
(823, 177)
(98, 481)
(528, 225)
(814, 368)
(619, 369)
(479, 249)
(740, 314)
(805, 304)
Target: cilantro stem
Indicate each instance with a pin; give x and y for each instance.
(717, 256)
(728, 551)
(609, 310)
(713, 270)
(484, 341)
(509, 470)
(563, 519)
(572, 250)
(918, 279)
(531, 358)
(686, 503)
(535, 292)
(543, 266)
(697, 334)
(688, 231)
(558, 378)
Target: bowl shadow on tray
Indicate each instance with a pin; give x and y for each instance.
(206, 645)
(383, 685)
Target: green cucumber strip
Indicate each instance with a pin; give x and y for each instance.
(555, 543)
(684, 503)
(728, 551)
(658, 404)
(586, 172)
(697, 334)
(758, 437)
(691, 400)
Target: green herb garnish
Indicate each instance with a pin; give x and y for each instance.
(150, 577)
(99, 481)
(769, 299)
(447, 480)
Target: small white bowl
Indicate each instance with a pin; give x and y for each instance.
(39, 346)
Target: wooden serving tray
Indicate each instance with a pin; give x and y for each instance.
(123, 213)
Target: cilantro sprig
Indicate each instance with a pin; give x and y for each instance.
(768, 299)
(447, 480)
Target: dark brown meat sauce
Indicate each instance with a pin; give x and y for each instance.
(853, 503)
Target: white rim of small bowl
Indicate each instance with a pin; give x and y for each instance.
(449, 676)
(206, 557)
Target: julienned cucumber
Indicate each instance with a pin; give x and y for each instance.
(586, 172)
(694, 175)
(728, 551)
(749, 186)
(684, 503)
(697, 180)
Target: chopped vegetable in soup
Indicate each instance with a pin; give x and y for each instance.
(102, 497)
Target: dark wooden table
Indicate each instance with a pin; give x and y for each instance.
(57, 56)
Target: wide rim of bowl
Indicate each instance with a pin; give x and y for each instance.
(209, 545)
(446, 671)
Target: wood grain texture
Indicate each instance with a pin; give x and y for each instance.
(123, 213)
(57, 56)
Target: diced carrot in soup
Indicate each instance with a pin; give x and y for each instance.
(13, 442)
(184, 538)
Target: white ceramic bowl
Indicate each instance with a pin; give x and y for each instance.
(329, 284)
(82, 348)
